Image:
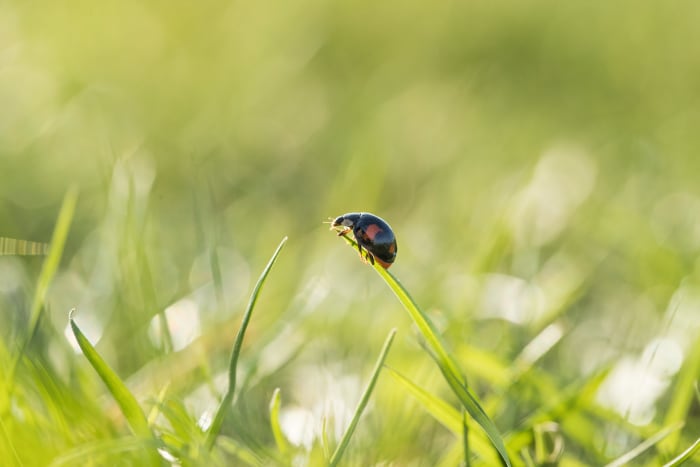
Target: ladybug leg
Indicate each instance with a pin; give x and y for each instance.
(366, 257)
(342, 233)
(359, 249)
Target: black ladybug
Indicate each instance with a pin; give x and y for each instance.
(371, 233)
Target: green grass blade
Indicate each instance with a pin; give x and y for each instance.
(338, 454)
(275, 405)
(423, 322)
(228, 397)
(444, 360)
(646, 444)
(324, 439)
(108, 450)
(15, 459)
(683, 394)
(567, 402)
(448, 416)
(58, 242)
(465, 439)
(470, 402)
(243, 454)
(155, 410)
(685, 455)
(443, 412)
(126, 401)
(48, 270)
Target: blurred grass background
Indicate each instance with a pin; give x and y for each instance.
(537, 161)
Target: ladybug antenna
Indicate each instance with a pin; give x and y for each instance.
(330, 222)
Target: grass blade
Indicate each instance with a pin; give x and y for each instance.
(335, 458)
(646, 444)
(683, 394)
(48, 270)
(228, 397)
(280, 440)
(441, 411)
(324, 439)
(58, 242)
(465, 439)
(448, 416)
(444, 360)
(14, 459)
(243, 454)
(109, 450)
(126, 401)
(685, 455)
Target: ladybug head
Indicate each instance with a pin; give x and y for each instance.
(346, 220)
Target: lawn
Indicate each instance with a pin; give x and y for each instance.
(172, 294)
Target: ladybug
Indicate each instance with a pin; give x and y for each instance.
(371, 233)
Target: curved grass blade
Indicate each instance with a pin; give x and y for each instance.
(243, 454)
(441, 411)
(548, 443)
(182, 424)
(646, 444)
(444, 360)
(48, 270)
(448, 416)
(685, 455)
(58, 242)
(228, 397)
(11, 447)
(578, 394)
(160, 400)
(109, 449)
(126, 401)
(682, 397)
(335, 458)
(280, 440)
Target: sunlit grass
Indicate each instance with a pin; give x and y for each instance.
(48, 270)
(537, 161)
(224, 407)
(345, 440)
(444, 359)
(535, 440)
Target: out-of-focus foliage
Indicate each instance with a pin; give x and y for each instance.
(538, 162)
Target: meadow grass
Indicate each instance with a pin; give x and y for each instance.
(535, 441)
(536, 160)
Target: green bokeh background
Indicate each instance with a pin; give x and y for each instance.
(538, 157)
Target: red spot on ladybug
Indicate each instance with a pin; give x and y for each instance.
(371, 233)
(373, 230)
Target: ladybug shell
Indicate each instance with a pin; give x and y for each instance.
(371, 233)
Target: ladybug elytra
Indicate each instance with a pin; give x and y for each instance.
(371, 233)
